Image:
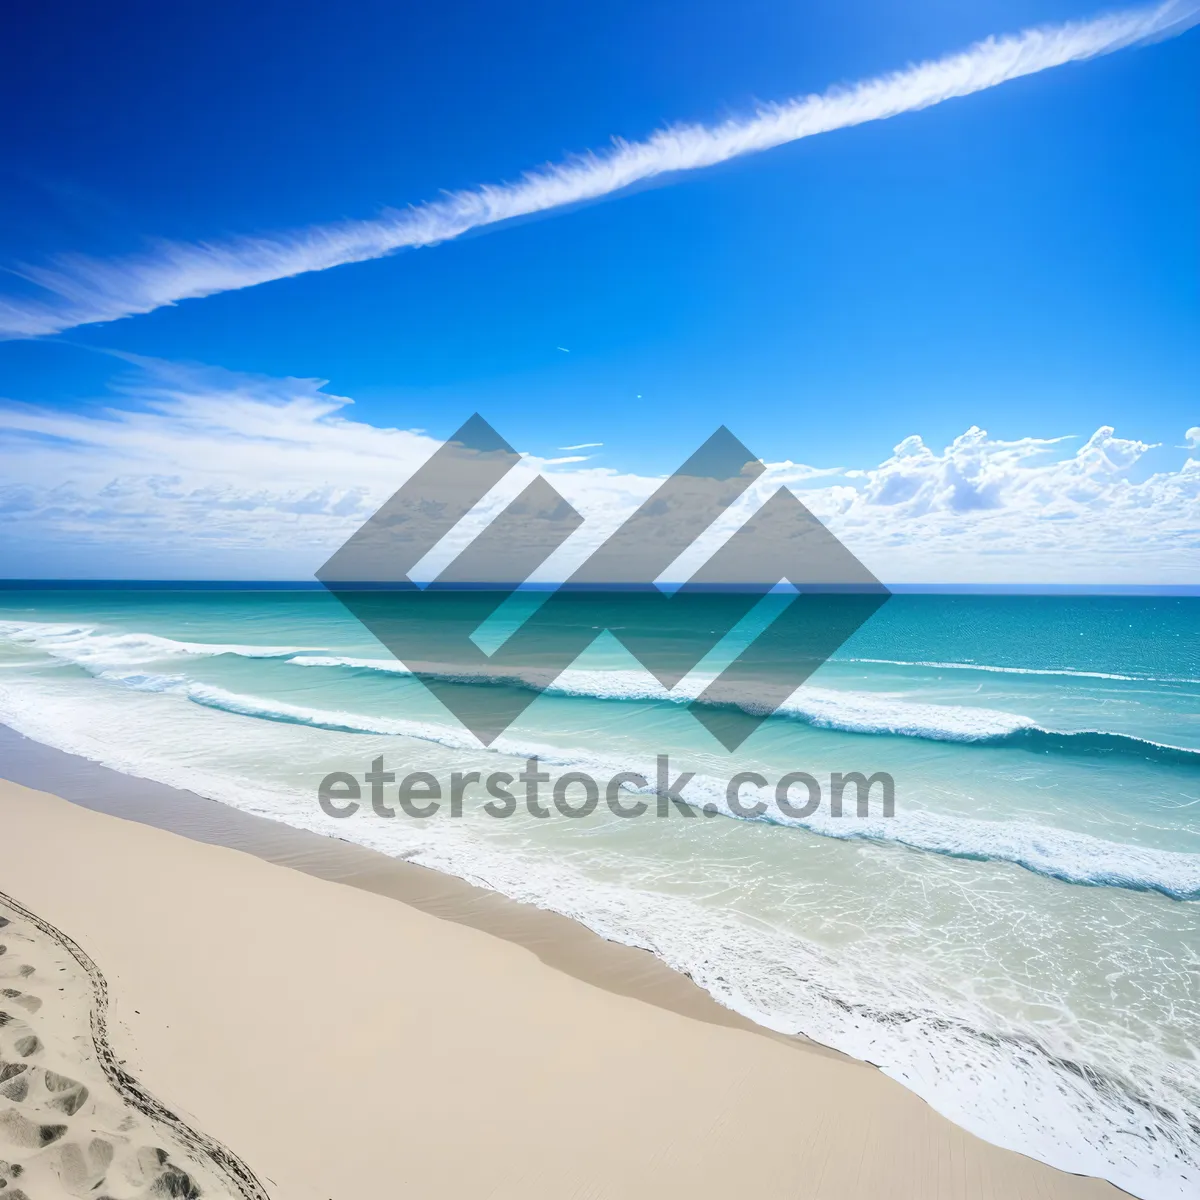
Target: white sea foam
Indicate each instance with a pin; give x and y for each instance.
(1059, 853)
(89, 642)
(854, 712)
(865, 712)
(1057, 671)
(862, 712)
(841, 709)
(1124, 1118)
(90, 645)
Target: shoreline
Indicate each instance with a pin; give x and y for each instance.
(627, 975)
(560, 942)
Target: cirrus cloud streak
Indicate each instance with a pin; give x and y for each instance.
(80, 290)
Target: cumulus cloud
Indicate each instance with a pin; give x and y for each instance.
(78, 290)
(197, 472)
(990, 510)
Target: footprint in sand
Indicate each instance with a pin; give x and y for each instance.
(73, 1121)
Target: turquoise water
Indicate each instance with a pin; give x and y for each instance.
(1019, 943)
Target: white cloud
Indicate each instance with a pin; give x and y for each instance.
(82, 290)
(1020, 512)
(196, 472)
(195, 463)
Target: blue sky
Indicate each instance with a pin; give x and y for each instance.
(1022, 259)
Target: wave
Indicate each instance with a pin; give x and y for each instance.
(88, 645)
(1100, 742)
(845, 711)
(1121, 1108)
(1057, 853)
(851, 712)
(1063, 671)
(823, 708)
(88, 642)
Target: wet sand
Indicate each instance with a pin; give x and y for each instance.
(270, 992)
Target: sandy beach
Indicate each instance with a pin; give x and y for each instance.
(281, 1032)
(600, 602)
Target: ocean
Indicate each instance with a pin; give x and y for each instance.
(1018, 942)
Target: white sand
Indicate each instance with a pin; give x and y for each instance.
(345, 1045)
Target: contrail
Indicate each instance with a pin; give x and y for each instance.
(84, 290)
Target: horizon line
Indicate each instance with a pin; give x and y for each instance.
(943, 588)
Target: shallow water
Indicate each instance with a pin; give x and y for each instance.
(1019, 943)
